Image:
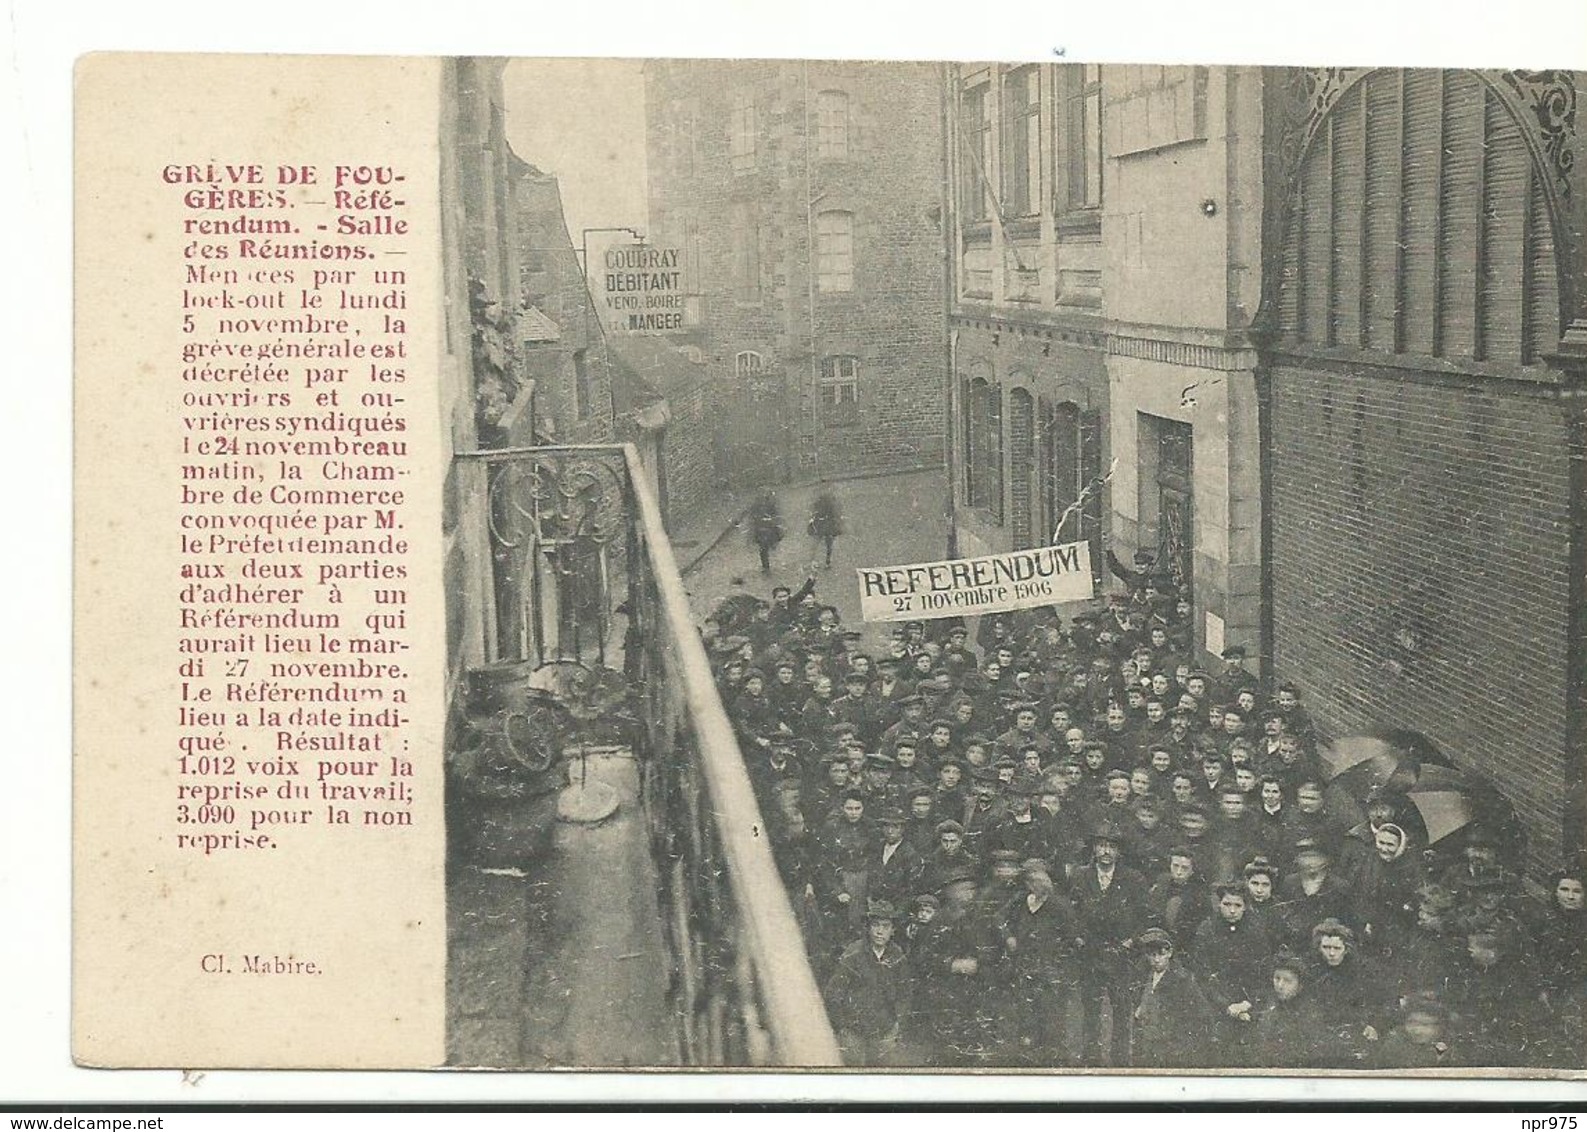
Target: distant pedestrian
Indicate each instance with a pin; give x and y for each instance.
(765, 527)
(826, 522)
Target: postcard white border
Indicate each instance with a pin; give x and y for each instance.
(45, 36)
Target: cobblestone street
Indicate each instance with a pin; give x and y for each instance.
(888, 520)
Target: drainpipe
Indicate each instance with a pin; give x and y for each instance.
(810, 279)
(949, 289)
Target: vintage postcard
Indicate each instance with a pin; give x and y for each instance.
(1055, 567)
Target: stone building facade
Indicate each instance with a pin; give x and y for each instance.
(1106, 228)
(806, 199)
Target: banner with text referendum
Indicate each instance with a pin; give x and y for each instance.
(968, 587)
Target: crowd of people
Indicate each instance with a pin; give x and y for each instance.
(1054, 844)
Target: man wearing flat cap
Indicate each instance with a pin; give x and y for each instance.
(957, 649)
(841, 882)
(1024, 732)
(877, 783)
(867, 997)
(894, 865)
(857, 707)
(954, 966)
(1234, 679)
(817, 717)
(1173, 1017)
(779, 764)
(911, 720)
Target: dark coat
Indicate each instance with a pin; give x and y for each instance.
(1232, 958)
(1044, 940)
(1300, 913)
(1350, 997)
(897, 880)
(1285, 1035)
(1173, 1022)
(866, 995)
(1108, 919)
(845, 847)
(1496, 1014)
(1179, 909)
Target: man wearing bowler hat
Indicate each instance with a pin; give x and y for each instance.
(1111, 901)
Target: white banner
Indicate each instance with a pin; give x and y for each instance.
(967, 587)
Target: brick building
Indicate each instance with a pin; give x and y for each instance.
(806, 199)
(1325, 328)
(1425, 346)
(1105, 236)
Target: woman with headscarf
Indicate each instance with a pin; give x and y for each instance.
(1384, 885)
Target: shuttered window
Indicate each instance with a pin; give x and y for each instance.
(1419, 227)
(986, 447)
(967, 437)
(1021, 465)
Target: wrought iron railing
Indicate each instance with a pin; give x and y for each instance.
(580, 568)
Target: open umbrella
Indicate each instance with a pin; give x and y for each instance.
(1434, 798)
(1381, 760)
(1442, 811)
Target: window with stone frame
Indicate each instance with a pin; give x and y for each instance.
(975, 153)
(832, 125)
(835, 251)
(839, 391)
(986, 448)
(748, 363)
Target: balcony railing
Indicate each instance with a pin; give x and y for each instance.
(580, 568)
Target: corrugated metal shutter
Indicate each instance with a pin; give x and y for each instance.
(1542, 290)
(1424, 143)
(1021, 434)
(1348, 174)
(1380, 271)
(1459, 220)
(1506, 185)
(1090, 473)
(1061, 467)
(1289, 279)
(1315, 215)
(1421, 226)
